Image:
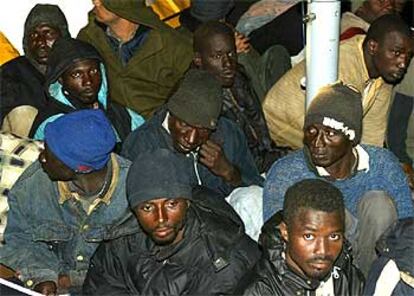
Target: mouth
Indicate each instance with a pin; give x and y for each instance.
(184, 148)
(163, 232)
(321, 264)
(398, 75)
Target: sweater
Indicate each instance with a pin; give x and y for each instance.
(384, 174)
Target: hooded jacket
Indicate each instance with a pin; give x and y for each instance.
(21, 81)
(393, 272)
(147, 79)
(272, 276)
(64, 54)
(214, 254)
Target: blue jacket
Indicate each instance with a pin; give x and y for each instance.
(152, 135)
(48, 234)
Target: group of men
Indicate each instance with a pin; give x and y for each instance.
(151, 150)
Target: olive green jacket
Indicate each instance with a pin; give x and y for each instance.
(147, 80)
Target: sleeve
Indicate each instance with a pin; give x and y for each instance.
(32, 260)
(400, 113)
(105, 275)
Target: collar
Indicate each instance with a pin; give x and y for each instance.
(66, 194)
(362, 158)
(165, 122)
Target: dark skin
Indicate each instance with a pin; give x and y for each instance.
(314, 240)
(370, 10)
(40, 42)
(162, 219)
(82, 81)
(388, 58)
(330, 149)
(187, 138)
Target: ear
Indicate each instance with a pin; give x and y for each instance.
(372, 47)
(284, 231)
(197, 60)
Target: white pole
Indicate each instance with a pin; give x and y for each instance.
(322, 45)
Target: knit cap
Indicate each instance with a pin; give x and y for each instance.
(198, 99)
(83, 140)
(337, 106)
(210, 10)
(47, 14)
(160, 173)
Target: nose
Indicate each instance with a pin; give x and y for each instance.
(321, 247)
(192, 136)
(87, 80)
(403, 61)
(161, 214)
(319, 140)
(226, 60)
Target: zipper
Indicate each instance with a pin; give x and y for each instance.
(153, 275)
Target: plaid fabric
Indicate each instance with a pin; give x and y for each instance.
(16, 154)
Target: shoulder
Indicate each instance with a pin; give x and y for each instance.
(381, 157)
(293, 164)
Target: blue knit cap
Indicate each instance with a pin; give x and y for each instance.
(82, 140)
(159, 174)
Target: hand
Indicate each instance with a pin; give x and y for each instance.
(242, 43)
(46, 288)
(64, 282)
(212, 156)
(409, 172)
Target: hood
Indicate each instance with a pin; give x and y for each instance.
(64, 53)
(397, 243)
(135, 11)
(44, 13)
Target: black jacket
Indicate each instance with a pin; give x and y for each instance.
(271, 275)
(214, 254)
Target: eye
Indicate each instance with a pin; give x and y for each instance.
(172, 204)
(94, 71)
(335, 236)
(75, 75)
(33, 35)
(308, 236)
(147, 207)
(331, 133)
(396, 52)
(217, 56)
(312, 130)
(231, 54)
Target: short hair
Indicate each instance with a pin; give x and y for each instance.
(312, 194)
(386, 24)
(208, 29)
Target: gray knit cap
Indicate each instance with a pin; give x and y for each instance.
(160, 173)
(47, 14)
(337, 106)
(198, 99)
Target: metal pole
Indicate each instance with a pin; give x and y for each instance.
(322, 45)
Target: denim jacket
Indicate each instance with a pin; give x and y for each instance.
(49, 234)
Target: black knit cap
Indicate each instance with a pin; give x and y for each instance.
(198, 99)
(337, 106)
(209, 10)
(45, 14)
(160, 173)
(65, 52)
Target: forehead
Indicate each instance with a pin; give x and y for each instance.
(217, 41)
(83, 63)
(317, 221)
(44, 27)
(397, 39)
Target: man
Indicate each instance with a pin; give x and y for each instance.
(374, 186)
(308, 255)
(145, 58)
(22, 79)
(76, 79)
(190, 243)
(392, 273)
(215, 52)
(66, 203)
(191, 125)
(371, 63)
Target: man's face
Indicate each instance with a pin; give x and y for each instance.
(392, 56)
(377, 8)
(219, 58)
(102, 14)
(82, 81)
(186, 137)
(40, 42)
(328, 147)
(313, 242)
(53, 167)
(163, 219)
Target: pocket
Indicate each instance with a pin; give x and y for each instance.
(52, 232)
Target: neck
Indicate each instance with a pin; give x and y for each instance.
(343, 168)
(123, 29)
(92, 182)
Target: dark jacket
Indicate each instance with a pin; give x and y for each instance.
(241, 105)
(63, 55)
(395, 248)
(272, 276)
(152, 135)
(20, 84)
(214, 254)
(147, 80)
